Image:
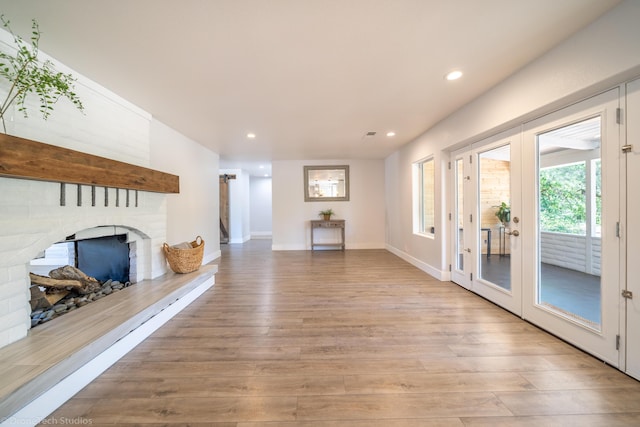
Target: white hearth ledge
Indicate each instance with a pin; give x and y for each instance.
(58, 359)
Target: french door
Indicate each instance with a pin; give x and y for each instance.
(571, 279)
(554, 256)
(461, 230)
(486, 220)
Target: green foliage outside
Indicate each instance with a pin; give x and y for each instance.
(598, 194)
(563, 199)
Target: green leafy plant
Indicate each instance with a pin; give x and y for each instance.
(27, 75)
(563, 198)
(503, 213)
(326, 213)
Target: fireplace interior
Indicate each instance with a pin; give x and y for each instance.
(100, 266)
(104, 258)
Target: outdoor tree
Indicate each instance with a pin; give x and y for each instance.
(563, 199)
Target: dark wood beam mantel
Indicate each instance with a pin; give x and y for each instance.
(27, 159)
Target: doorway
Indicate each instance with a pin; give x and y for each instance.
(535, 223)
(572, 272)
(486, 226)
(224, 207)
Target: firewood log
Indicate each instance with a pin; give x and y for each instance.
(72, 273)
(77, 286)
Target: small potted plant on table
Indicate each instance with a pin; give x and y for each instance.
(326, 214)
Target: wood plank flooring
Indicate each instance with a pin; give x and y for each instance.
(355, 338)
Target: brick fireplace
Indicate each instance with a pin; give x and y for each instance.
(33, 218)
(51, 194)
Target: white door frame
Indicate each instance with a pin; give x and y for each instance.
(602, 343)
(512, 299)
(461, 277)
(508, 299)
(630, 268)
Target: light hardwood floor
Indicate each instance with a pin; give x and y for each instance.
(355, 338)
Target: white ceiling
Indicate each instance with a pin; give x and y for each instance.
(309, 77)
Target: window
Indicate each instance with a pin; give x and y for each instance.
(424, 196)
(596, 195)
(570, 179)
(563, 199)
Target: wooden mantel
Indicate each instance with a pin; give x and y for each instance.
(27, 159)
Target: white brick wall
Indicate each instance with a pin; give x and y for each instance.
(571, 251)
(596, 251)
(35, 226)
(110, 126)
(31, 217)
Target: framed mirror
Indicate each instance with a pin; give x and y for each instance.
(326, 183)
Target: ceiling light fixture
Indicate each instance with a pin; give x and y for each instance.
(251, 135)
(391, 133)
(453, 75)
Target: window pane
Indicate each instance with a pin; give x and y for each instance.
(427, 196)
(494, 186)
(459, 213)
(596, 228)
(563, 199)
(569, 281)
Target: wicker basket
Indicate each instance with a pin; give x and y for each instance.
(185, 260)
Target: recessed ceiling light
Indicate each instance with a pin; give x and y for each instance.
(391, 133)
(251, 135)
(454, 75)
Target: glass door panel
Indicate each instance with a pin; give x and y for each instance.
(460, 224)
(496, 242)
(459, 214)
(571, 183)
(494, 192)
(569, 202)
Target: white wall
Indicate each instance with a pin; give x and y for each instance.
(600, 56)
(194, 211)
(260, 216)
(364, 212)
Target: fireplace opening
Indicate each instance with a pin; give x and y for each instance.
(76, 272)
(104, 258)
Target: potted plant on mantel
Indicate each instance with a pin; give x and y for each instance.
(27, 75)
(326, 214)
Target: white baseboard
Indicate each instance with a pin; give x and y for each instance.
(241, 240)
(261, 235)
(441, 275)
(211, 257)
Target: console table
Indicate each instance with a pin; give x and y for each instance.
(332, 223)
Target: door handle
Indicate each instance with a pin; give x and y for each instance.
(515, 233)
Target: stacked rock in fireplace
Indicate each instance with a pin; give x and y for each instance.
(66, 289)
